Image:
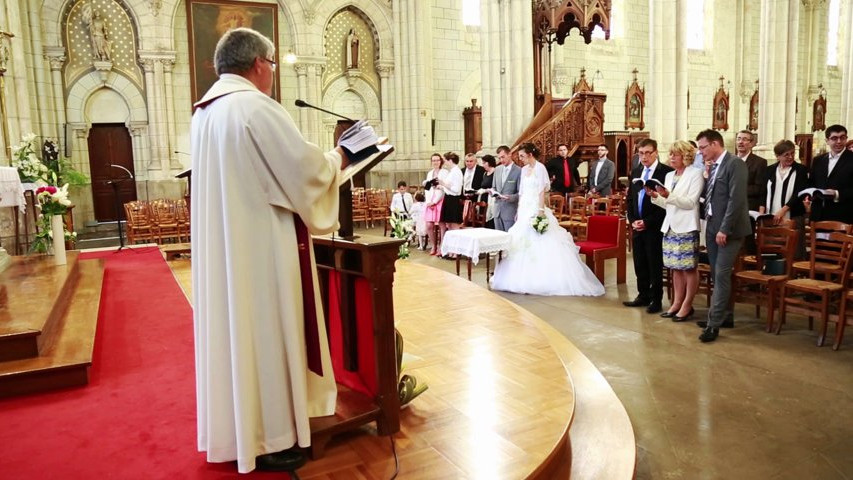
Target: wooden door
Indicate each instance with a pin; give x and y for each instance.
(109, 144)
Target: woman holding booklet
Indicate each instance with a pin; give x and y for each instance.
(680, 197)
(785, 181)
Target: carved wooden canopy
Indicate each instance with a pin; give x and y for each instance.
(721, 108)
(635, 102)
(553, 19)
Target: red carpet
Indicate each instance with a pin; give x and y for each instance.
(136, 418)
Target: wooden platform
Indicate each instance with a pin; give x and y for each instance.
(509, 396)
(48, 317)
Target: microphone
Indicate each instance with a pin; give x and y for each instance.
(130, 175)
(302, 104)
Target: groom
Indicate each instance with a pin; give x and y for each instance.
(507, 177)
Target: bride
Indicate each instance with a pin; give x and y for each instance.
(546, 263)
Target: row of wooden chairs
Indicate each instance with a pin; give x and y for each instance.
(159, 221)
(371, 206)
(818, 287)
(573, 211)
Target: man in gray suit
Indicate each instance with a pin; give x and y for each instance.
(507, 180)
(601, 172)
(727, 215)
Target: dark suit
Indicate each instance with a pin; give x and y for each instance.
(801, 181)
(840, 179)
(726, 193)
(478, 177)
(648, 243)
(756, 186)
(556, 169)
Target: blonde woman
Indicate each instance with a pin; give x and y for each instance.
(680, 227)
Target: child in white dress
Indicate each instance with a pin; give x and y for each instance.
(417, 214)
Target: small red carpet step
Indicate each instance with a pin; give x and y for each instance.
(136, 418)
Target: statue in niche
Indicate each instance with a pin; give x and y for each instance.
(634, 108)
(98, 34)
(721, 112)
(352, 49)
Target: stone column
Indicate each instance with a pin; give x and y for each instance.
(398, 100)
(56, 57)
(816, 26)
(18, 92)
(391, 130)
(140, 153)
(301, 70)
(150, 93)
(681, 70)
(171, 126)
(44, 108)
(778, 62)
(668, 109)
(846, 114)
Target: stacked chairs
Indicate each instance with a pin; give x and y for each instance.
(577, 217)
(160, 221)
(360, 210)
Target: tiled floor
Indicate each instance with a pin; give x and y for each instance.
(751, 405)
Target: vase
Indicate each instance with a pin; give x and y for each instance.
(58, 228)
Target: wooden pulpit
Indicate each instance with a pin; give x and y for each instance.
(356, 276)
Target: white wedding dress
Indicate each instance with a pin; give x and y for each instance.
(547, 263)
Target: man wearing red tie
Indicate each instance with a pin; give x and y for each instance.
(563, 171)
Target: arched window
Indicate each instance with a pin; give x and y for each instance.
(695, 24)
(832, 35)
(615, 24)
(471, 12)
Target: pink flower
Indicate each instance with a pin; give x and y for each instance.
(40, 189)
(51, 189)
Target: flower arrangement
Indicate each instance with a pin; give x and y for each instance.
(30, 168)
(402, 227)
(50, 169)
(539, 223)
(51, 201)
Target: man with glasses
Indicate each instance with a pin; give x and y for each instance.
(833, 171)
(727, 216)
(601, 173)
(259, 192)
(646, 220)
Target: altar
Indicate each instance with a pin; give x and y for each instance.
(471, 242)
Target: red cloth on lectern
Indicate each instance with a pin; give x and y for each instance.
(363, 380)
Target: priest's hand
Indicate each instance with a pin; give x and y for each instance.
(344, 157)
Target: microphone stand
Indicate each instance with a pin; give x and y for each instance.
(115, 183)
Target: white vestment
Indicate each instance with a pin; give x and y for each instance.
(252, 170)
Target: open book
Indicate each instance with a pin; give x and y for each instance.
(360, 141)
(812, 191)
(379, 151)
(650, 183)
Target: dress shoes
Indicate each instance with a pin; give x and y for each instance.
(284, 461)
(654, 307)
(676, 318)
(725, 324)
(668, 314)
(637, 302)
(709, 335)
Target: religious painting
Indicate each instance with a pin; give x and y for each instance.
(635, 102)
(208, 20)
(819, 114)
(721, 109)
(753, 112)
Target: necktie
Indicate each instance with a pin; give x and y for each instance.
(711, 179)
(642, 195)
(567, 174)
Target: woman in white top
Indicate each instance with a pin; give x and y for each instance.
(680, 227)
(434, 200)
(451, 210)
(546, 263)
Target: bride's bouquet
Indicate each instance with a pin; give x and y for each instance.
(539, 223)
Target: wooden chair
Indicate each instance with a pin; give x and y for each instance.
(748, 261)
(618, 206)
(825, 260)
(601, 206)
(605, 239)
(165, 221)
(706, 282)
(757, 287)
(360, 212)
(183, 215)
(844, 317)
(138, 222)
(557, 203)
(576, 223)
(816, 297)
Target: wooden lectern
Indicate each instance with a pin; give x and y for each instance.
(356, 277)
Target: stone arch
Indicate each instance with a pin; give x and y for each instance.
(362, 89)
(53, 11)
(471, 87)
(377, 16)
(80, 92)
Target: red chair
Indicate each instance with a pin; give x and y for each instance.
(605, 238)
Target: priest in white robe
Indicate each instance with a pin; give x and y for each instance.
(259, 191)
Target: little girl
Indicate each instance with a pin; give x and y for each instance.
(417, 214)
